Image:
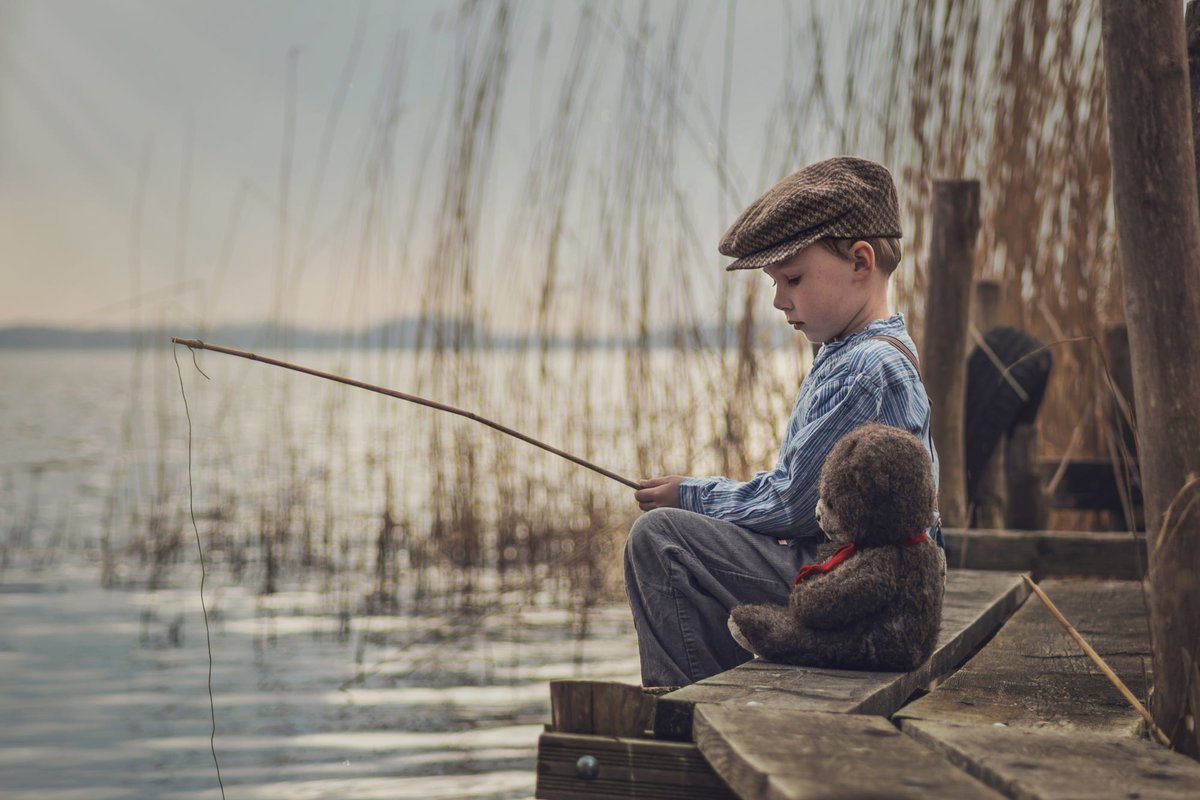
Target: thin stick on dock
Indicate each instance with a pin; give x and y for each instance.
(1099, 662)
(196, 344)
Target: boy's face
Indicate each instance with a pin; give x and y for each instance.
(823, 295)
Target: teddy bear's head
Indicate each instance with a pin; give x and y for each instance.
(876, 487)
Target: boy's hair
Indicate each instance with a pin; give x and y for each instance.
(888, 251)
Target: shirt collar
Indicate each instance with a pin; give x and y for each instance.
(892, 326)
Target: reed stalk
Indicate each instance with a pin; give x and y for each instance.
(608, 242)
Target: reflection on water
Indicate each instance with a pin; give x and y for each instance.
(94, 444)
(428, 576)
(104, 694)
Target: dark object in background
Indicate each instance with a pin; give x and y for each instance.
(993, 405)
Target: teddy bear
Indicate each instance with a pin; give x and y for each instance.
(875, 602)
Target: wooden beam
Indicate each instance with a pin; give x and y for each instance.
(1158, 230)
(975, 605)
(947, 313)
(623, 768)
(805, 755)
(600, 707)
(1098, 554)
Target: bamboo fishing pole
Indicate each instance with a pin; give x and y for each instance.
(196, 344)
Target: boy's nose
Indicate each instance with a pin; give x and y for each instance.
(781, 302)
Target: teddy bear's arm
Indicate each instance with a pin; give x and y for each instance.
(856, 589)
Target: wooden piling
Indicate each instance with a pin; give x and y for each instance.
(1154, 187)
(1192, 29)
(947, 315)
(1119, 414)
(1028, 507)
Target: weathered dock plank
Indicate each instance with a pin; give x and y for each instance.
(1098, 554)
(575, 767)
(803, 755)
(976, 604)
(603, 708)
(1031, 716)
(1033, 675)
(1033, 764)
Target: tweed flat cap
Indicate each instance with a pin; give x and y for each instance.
(841, 197)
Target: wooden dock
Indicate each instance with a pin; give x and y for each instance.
(975, 605)
(1008, 706)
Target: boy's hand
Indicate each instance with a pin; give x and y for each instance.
(658, 493)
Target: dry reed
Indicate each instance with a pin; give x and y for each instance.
(607, 244)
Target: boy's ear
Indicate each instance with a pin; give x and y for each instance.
(864, 256)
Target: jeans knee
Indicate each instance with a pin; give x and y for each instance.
(651, 533)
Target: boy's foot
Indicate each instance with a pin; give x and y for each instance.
(659, 690)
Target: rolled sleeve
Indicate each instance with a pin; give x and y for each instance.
(848, 386)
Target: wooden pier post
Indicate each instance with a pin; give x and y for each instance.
(1028, 506)
(947, 314)
(1192, 29)
(1119, 408)
(1154, 185)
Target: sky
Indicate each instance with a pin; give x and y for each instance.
(144, 145)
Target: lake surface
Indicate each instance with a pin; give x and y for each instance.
(389, 589)
(103, 691)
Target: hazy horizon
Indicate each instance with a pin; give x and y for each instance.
(146, 147)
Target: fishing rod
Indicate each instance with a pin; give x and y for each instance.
(196, 344)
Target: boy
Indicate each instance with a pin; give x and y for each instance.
(828, 237)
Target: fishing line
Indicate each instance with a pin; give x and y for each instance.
(195, 364)
(212, 706)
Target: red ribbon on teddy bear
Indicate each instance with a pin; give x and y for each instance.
(844, 552)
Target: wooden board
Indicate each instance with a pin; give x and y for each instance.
(1031, 716)
(976, 604)
(798, 755)
(626, 768)
(1049, 765)
(1033, 675)
(600, 707)
(1119, 556)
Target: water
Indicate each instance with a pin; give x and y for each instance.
(103, 691)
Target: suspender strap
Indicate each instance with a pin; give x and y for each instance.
(912, 359)
(903, 348)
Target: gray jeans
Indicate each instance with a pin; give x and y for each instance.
(683, 573)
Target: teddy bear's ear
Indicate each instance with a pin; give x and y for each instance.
(878, 484)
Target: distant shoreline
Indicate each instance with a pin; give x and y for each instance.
(403, 334)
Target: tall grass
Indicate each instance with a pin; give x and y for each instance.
(608, 241)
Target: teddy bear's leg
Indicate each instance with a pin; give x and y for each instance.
(771, 632)
(764, 630)
(739, 637)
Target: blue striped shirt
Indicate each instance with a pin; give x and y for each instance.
(852, 381)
